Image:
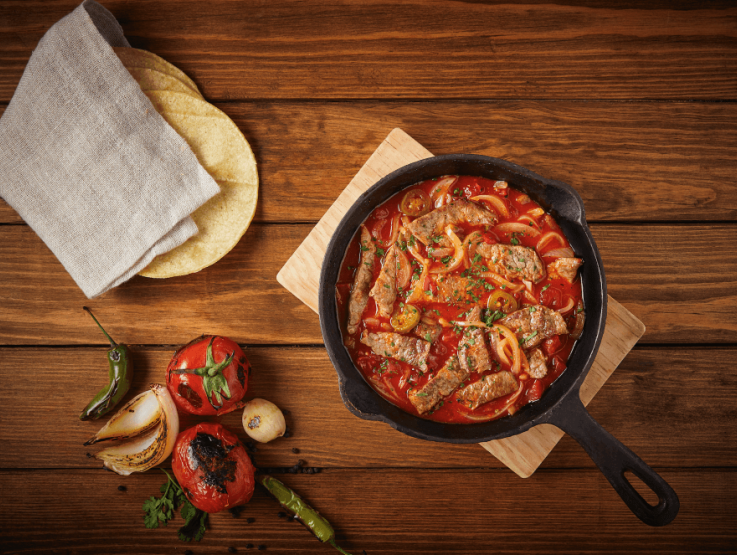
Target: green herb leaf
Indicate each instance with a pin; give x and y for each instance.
(196, 523)
(160, 511)
(526, 339)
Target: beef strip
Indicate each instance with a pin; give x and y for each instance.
(458, 290)
(534, 324)
(488, 388)
(580, 320)
(538, 368)
(428, 330)
(472, 352)
(439, 386)
(567, 268)
(359, 293)
(433, 223)
(408, 349)
(384, 290)
(513, 261)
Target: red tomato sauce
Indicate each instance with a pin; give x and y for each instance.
(393, 379)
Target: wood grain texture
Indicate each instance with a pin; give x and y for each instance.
(632, 103)
(674, 407)
(356, 49)
(396, 512)
(629, 161)
(240, 297)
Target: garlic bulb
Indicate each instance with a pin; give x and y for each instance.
(263, 421)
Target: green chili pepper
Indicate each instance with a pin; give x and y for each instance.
(316, 523)
(119, 372)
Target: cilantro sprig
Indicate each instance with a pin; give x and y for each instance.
(162, 510)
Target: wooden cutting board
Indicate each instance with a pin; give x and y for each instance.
(522, 453)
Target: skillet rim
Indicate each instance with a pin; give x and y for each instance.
(567, 208)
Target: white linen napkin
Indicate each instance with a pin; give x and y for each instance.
(87, 161)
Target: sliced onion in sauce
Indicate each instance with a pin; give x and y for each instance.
(396, 226)
(458, 257)
(550, 236)
(404, 269)
(501, 354)
(418, 292)
(470, 244)
(516, 227)
(536, 212)
(511, 341)
(568, 307)
(502, 282)
(496, 202)
(525, 218)
(440, 190)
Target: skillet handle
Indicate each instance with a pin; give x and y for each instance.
(613, 459)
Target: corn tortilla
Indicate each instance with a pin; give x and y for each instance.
(226, 155)
(153, 80)
(133, 57)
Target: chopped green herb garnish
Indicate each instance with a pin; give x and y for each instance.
(526, 339)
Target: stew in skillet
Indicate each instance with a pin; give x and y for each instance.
(460, 299)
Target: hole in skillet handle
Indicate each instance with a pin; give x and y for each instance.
(641, 487)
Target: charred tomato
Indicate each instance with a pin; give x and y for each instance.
(208, 376)
(212, 467)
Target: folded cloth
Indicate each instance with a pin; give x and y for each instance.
(87, 161)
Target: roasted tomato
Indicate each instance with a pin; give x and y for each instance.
(212, 467)
(208, 376)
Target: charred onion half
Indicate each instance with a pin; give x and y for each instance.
(149, 428)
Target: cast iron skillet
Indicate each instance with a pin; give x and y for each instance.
(560, 405)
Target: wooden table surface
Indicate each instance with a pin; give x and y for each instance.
(631, 103)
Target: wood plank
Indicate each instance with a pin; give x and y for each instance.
(674, 407)
(239, 296)
(357, 49)
(376, 512)
(629, 161)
